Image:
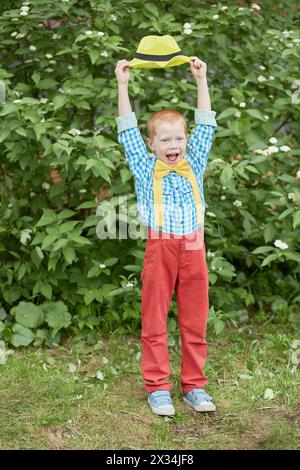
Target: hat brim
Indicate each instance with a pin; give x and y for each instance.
(146, 64)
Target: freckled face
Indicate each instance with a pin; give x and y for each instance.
(169, 143)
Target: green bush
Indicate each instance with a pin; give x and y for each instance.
(60, 158)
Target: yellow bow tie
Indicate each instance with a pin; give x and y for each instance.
(183, 168)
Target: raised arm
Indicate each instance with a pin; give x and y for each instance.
(201, 137)
(128, 132)
(123, 76)
(198, 69)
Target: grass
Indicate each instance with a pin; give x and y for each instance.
(52, 398)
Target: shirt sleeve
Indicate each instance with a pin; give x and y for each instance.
(134, 146)
(200, 141)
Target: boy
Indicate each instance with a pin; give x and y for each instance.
(170, 202)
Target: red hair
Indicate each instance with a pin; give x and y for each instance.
(166, 115)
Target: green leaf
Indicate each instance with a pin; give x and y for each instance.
(132, 267)
(47, 218)
(296, 219)
(94, 55)
(69, 254)
(226, 113)
(226, 176)
(256, 114)
(81, 240)
(262, 249)
(28, 314)
(22, 336)
(56, 315)
(269, 259)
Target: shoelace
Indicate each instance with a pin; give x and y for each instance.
(201, 395)
(161, 398)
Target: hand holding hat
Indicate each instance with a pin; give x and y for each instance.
(122, 71)
(198, 68)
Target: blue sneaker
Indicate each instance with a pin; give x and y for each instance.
(161, 403)
(199, 400)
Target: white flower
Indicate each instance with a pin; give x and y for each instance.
(237, 114)
(210, 254)
(272, 149)
(74, 131)
(45, 185)
(23, 13)
(211, 214)
(54, 36)
(280, 244)
(82, 190)
(223, 197)
(16, 101)
(187, 31)
(70, 67)
(89, 33)
(261, 78)
(104, 54)
(32, 48)
(285, 33)
(292, 196)
(255, 6)
(150, 78)
(174, 100)
(242, 104)
(262, 67)
(237, 203)
(266, 117)
(187, 25)
(224, 8)
(102, 266)
(215, 17)
(100, 33)
(129, 284)
(14, 33)
(285, 148)
(113, 17)
(273, 140)
(271, 77)
(298, 175)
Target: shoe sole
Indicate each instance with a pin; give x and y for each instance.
(203, 408)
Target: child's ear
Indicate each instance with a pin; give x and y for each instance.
(148, 143)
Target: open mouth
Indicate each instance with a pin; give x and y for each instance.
(173, 157)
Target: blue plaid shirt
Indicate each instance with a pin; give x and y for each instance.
(180, 215)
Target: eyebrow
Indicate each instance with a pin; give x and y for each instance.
(166, 136)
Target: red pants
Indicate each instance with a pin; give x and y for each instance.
(174, 263)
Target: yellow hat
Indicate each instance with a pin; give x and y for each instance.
(155, 52)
